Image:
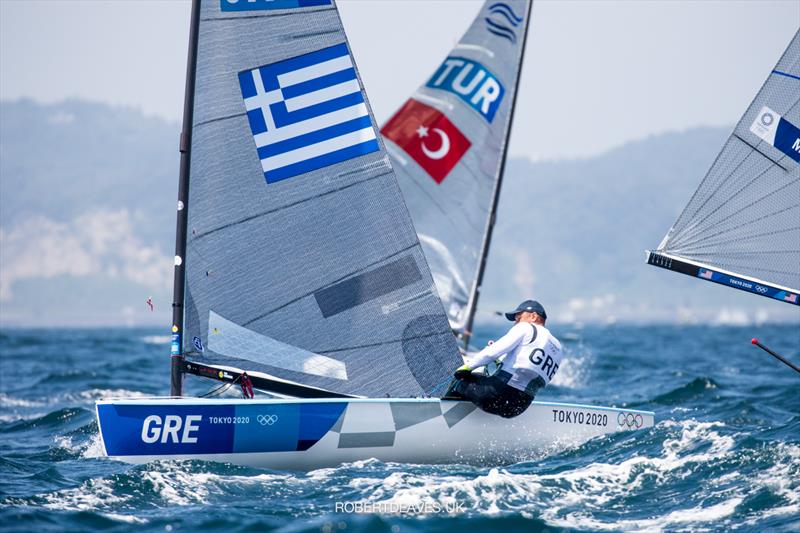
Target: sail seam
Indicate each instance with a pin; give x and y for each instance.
(218, 119)
(693, 245)
(448, 331)
(304, 35)
(334, 282)
(755, 149)
(751, 204)
(263, 15)
(681, 238)
(287, 206)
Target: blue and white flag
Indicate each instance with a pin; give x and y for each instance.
(307, 112)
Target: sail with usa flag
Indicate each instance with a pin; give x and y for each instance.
(741, 228)
(299, 276)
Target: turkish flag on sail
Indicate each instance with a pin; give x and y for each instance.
(428, 137)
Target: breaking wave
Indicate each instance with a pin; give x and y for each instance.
(558, 496)
(724, 454)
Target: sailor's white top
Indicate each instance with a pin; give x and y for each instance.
(528, 351)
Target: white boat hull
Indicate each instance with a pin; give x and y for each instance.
(309, 434)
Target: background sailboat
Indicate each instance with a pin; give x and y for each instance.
(448, 146)
(741, 227)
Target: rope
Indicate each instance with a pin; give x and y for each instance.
(221, 389)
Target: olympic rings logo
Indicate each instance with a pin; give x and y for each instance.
(267, 420)
(761, 289)
(630, 420)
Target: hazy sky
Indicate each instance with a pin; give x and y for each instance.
(596, 74)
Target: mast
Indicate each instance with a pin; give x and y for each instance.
(177, 358)
(487, 239)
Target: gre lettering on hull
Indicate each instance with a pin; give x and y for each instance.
(471, 82)
(154, 431)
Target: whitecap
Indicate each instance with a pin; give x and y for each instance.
(92, 495)
(17, 417)
(556, 497)
(128, 519)
(10, 401)
(101, 394)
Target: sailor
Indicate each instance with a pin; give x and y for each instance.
(530, 357)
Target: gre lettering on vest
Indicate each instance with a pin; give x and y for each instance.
(541, 355)
(471, 82)
(545, 362)
(173, 429)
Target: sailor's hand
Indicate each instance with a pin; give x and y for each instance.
(462, 371)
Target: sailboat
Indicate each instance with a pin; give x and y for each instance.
(298, 271)
(448, 145)
(741, 228)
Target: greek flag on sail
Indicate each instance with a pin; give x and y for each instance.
(307, 112)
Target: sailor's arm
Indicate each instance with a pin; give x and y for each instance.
(499, 348)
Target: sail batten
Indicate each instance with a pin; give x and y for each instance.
(740, 228)
(302, 263)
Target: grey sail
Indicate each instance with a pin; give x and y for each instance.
(301, 259)
(741, 227)
(448, 145)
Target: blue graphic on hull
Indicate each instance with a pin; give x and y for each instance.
(147, 429)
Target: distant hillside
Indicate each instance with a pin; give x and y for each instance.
(87, 214)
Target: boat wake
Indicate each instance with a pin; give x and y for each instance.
(725, 455)
(597, 486)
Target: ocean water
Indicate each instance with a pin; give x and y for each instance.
(724, 454)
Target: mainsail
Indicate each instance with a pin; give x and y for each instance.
(448, 145)
(742, 226)
(301, 261)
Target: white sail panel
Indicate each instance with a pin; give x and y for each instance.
(447, 144)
